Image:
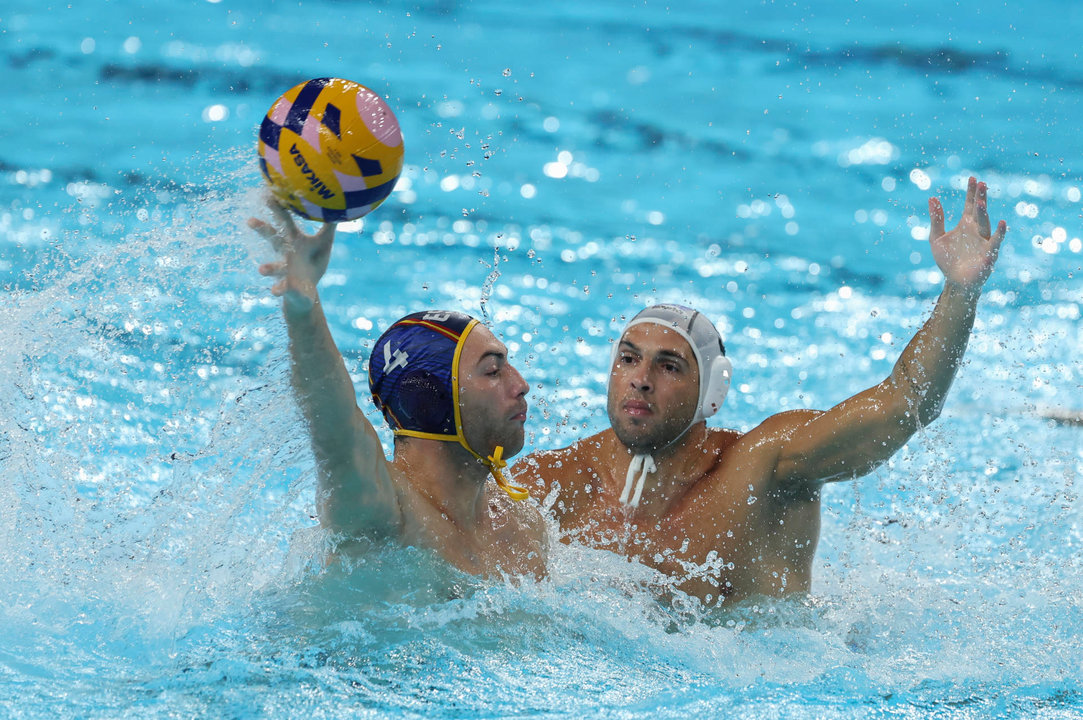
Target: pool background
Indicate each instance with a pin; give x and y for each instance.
(769, 164)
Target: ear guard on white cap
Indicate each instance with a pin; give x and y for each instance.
(714, 386)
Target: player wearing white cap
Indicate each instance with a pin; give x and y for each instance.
(730, 514)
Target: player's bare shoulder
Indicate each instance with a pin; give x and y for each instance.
(760, 454)
(566, 475)
(719, 440)
(741, 459)
(518, 532)
(713, 456)
(774, 431)
(541, 470)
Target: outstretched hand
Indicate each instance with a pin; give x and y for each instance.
(966, 254)
(304, 258)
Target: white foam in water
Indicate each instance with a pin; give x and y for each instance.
(136, 495)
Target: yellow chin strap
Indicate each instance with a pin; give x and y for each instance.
(494, 462)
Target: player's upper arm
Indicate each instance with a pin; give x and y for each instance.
(845, 442)
(356, 494)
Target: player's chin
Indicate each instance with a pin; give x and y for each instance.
(637, 436)
(514, 441)
(633, 425)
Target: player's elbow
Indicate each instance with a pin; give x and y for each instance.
(931, 411)
(912, 406)
(916, 401)
(922, 412)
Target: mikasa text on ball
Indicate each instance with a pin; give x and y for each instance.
(331, 149)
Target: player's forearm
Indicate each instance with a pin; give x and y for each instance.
(320, 380)
(925, 371)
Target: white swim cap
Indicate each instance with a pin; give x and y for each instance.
(715, 369)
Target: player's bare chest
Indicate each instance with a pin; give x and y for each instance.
(690, 534)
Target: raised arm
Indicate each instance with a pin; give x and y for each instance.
(355, 493)
(860, 433)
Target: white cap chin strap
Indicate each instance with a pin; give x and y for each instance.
(643, 464)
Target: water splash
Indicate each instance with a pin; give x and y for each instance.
(487, 287)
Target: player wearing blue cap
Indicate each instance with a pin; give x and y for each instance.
(733, 514)
(454, 401)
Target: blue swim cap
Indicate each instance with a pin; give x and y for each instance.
(414, 379)
(412, 372)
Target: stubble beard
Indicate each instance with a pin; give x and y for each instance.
(492, 434)
(646, 439)
(516, 439)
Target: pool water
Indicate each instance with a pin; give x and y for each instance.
(567, 164)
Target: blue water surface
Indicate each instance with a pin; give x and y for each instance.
(567, 163)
